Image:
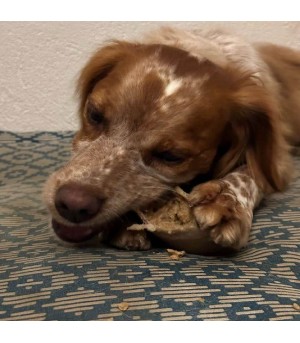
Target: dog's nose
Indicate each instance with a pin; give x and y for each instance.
(77, 204)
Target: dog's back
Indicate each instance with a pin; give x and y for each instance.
(285, 66)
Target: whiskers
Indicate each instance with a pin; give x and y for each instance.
(157, 189)
(153, 195)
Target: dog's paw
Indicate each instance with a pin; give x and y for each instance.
(131, 240)
(217, 208)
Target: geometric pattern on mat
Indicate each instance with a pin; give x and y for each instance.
(41, 280)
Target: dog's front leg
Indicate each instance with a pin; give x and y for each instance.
(225, 207)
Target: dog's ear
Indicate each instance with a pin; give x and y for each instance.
(100, 65)
(254, 136)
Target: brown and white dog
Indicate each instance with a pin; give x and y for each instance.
(164, 111)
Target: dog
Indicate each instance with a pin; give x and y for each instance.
(166, 111)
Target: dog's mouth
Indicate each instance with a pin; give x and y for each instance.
(83, 233)
(74, 234)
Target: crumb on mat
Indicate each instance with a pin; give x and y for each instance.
(123, 306)
(296, 306)
(175, 254)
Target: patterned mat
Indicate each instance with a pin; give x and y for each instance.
(41, 280)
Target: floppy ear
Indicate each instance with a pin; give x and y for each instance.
(99, 66)
(254, 136)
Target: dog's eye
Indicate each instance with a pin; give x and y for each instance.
(167, 157)
(95, 117)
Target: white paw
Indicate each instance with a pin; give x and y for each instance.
(217, 209)
(131, 240)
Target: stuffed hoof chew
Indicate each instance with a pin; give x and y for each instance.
(175, 224)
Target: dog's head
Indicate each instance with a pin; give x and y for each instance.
(154, 116)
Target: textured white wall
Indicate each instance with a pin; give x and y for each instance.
(40, 61)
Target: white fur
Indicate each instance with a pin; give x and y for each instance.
(172, 87)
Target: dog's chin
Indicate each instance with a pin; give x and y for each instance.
(75, 234)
